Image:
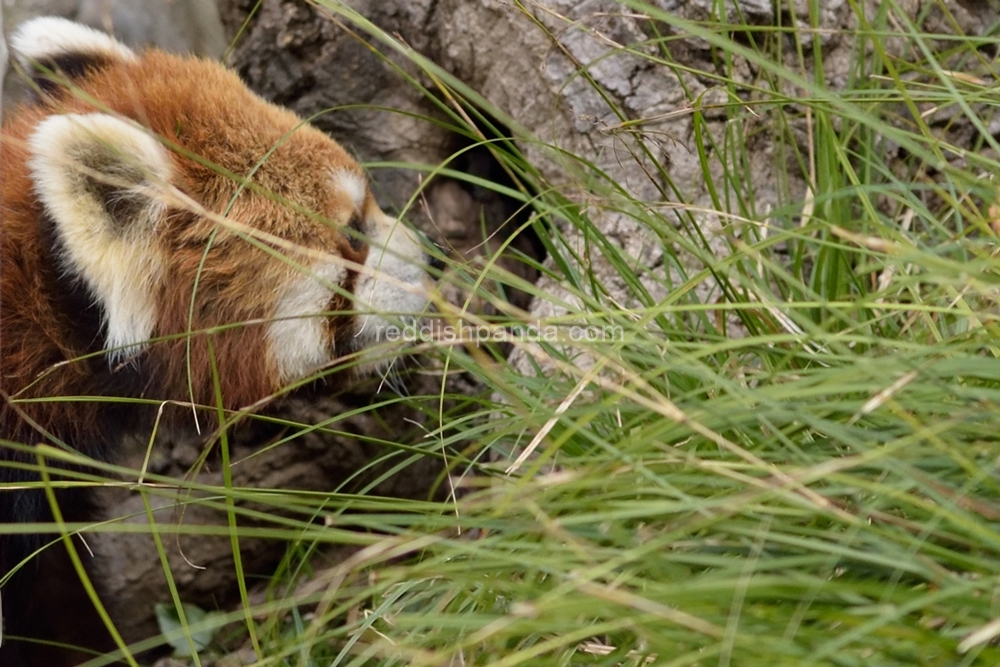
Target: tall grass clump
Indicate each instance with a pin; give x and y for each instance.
(800, 469)
(782, 447)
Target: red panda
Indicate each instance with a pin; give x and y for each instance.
(161, 228)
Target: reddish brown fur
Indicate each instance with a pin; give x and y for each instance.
(201, 109)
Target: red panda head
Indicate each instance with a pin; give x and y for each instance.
(157, 212)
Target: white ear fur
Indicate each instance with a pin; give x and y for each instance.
(96, 176)
(48, 38)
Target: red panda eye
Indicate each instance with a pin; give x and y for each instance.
(357, 235)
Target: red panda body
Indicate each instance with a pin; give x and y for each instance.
(161, 229)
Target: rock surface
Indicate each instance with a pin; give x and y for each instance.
(180, 26)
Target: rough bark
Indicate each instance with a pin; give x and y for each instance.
(181, 26)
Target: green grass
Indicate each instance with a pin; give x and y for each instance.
(788, 452)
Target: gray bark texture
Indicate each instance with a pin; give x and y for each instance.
(180, 26)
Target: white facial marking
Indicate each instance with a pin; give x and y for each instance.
(51, 37)
(299, 335)
(391, 289)
(354, 185)
(118, 260)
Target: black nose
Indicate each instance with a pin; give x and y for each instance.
(434, 261)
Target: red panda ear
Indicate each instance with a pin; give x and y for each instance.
(51, 49)
(97, 177)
